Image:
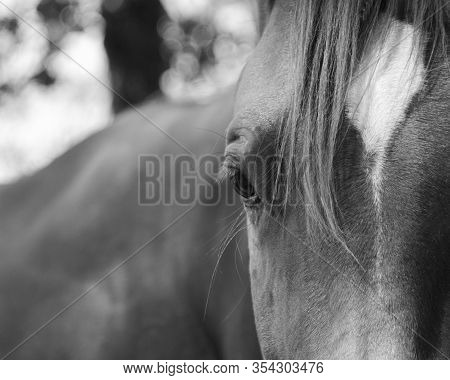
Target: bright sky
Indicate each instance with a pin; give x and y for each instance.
(186, 8)
(42, 122)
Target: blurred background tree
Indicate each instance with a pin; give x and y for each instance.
(22, 23)
(133, 46)
(59, 57)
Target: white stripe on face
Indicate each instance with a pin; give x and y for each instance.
(382, 89)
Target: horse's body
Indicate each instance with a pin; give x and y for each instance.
(64, 228)
(350, 240)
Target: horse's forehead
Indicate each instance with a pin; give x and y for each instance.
(390, 74)
(263, 94)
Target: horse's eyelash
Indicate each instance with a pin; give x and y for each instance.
(229, 169)
(225, 174)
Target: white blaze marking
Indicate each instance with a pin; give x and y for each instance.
(390, 74)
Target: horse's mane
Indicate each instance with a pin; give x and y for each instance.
(327, 43)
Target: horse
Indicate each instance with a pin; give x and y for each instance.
(91, 271)
(340, 149)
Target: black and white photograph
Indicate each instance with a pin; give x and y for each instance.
(224, 188)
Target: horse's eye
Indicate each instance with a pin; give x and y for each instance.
(245, 189)
(270, 4)
(242, 186)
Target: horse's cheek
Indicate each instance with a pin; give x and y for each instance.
(263, 276)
